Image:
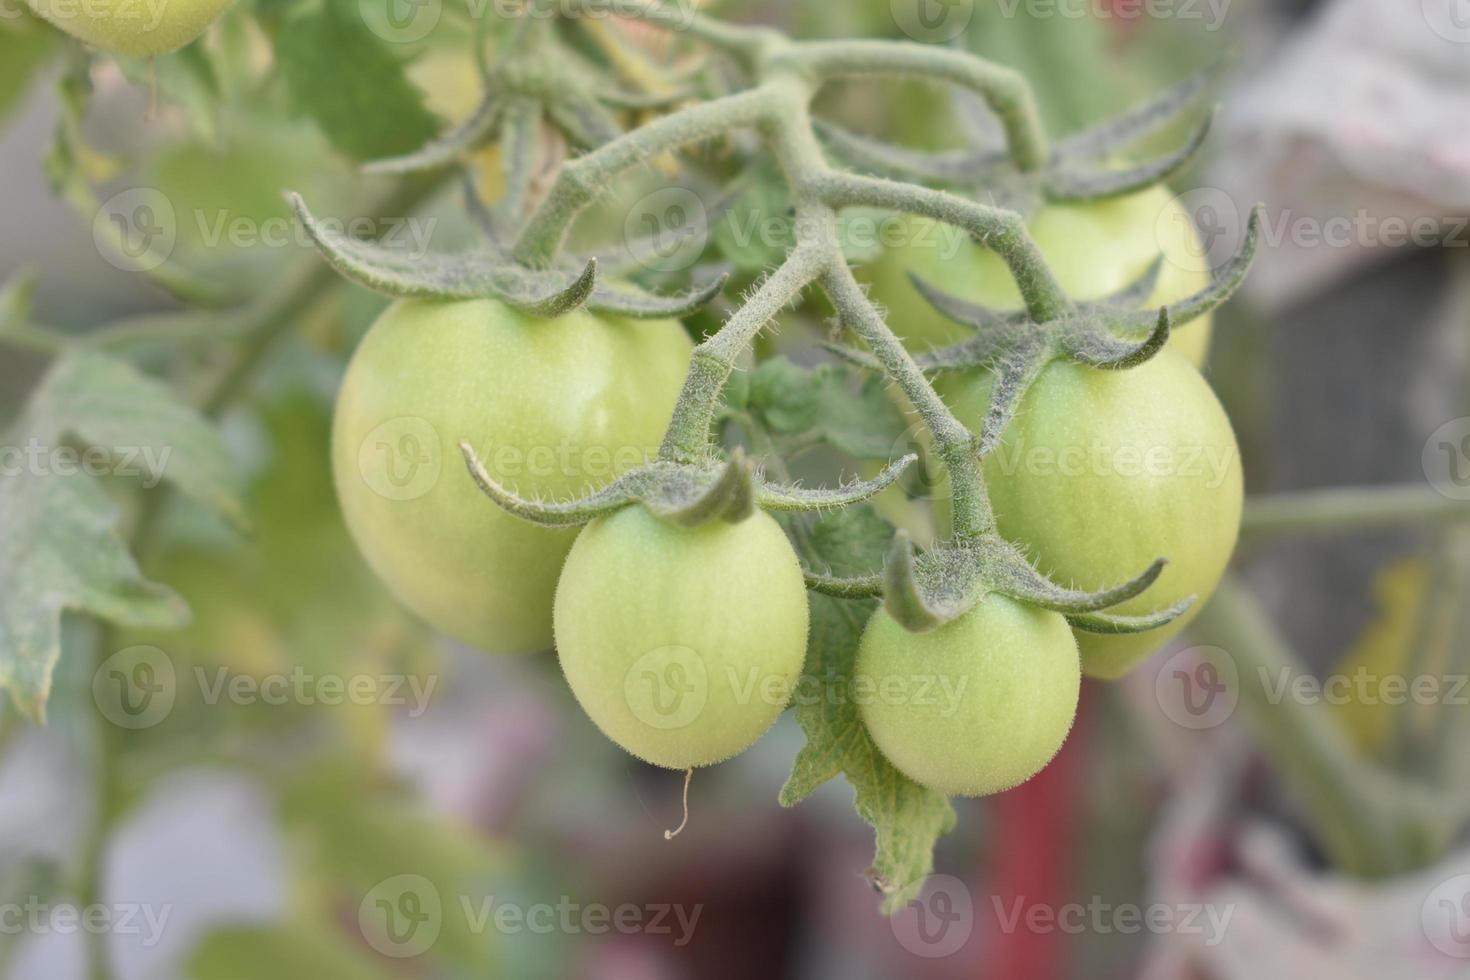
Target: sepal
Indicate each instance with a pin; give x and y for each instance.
(487, 272)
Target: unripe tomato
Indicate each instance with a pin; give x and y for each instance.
(976, 706)
(139, 28)
(1101, 472)
(1094, 250)
(552, 408)
(682, 644)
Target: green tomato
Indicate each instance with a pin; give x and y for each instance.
(1102, 472)
(682, 644)
(552, 408)
(976, 706)
(1094, 250)
(139, 28)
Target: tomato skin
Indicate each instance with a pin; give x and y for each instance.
(552, 407)
(1093, 249)
(134, 29)
(976, 706)
(683, 645)
(1102, 472)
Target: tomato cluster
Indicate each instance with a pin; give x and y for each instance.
(684, 644)
(1100, 473)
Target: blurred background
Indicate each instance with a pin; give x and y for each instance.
(247, 839)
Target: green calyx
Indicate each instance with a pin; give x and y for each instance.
(924, 590)
(686, 494)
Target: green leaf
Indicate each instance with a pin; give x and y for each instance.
(352, 83)
(59, 549)
(295, 950)
(25, 46)
(790, 400)
(107, 403)
(58, 552)
(757, 231)
(907, 818)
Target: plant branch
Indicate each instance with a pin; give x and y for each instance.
(1003, 89)
(1349, 508)
(582, 179)
(998, 229)
(954, 442)
(688, 435)
(1370, 821)
(743, 42)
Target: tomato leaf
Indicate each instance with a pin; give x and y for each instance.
(757, 230)
(348, 79)
(58, 546)
(907, 818)
(58, 551)
(789, 400)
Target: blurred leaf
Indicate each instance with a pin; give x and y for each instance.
(361, 834)
(294, 596)
(789, 400)
(1384, 650)
(16, 300)
(351, 82)
(188, 79)
(908, 818)
(57, 539)
(107, 403)
(242, 228)
(74, 167)
(287, 952)
(26, 45)
(1066, 60)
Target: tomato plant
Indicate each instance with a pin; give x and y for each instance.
(534, 376)
(1094, 248)
(136, 29)
(1101, 472)
(976, 706)
(551, 405)
(682, 644)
